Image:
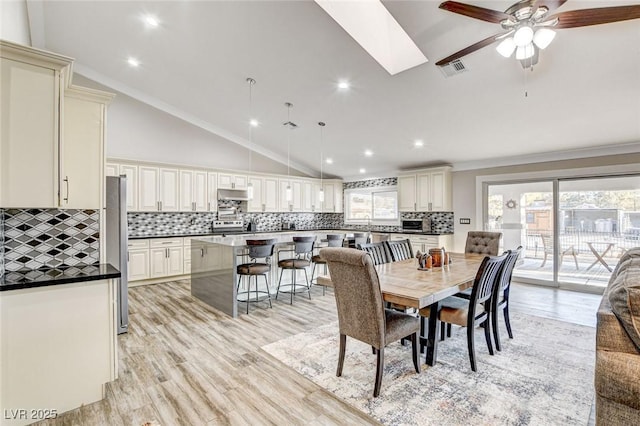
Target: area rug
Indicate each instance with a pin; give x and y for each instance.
(544, 376)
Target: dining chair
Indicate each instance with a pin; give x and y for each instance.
(483, 242)
(475, 311)
(361, 314)
(257, 250)
(379, 252)
(333, 240)
(399, 250)
(500, 296)
(303, 250)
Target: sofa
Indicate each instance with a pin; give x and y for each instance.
(617, 370)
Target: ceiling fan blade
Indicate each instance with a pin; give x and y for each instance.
(596, 16)
(470, 49)
(476, 12)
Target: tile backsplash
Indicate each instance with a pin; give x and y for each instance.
(1, 242)
(49, 238)
(142, 224)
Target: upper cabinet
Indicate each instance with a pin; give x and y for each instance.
(332, 197)
(212, 192)
(51, 133)
(193, 190)
(291, 195)
(425, 190)
(159, 189)
(232, 181)
(265, 194)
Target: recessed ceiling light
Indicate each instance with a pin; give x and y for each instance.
(418, 144)
(343, 85)
(368, 153)
(363, 171)
(329, 160)
(254, 123)
(150, 20)
(133, 62)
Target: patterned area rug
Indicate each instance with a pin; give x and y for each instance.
(544, 376)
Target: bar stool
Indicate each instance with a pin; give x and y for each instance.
(333, 240)
(303, 250)
(258, 249)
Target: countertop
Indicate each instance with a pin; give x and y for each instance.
(56, 276)
(245, 233)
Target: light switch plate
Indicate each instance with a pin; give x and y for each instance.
(465, 221)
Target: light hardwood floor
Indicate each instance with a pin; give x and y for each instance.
(182, 362)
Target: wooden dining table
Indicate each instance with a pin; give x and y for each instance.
(404, 284)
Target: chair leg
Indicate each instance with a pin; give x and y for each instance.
(487, 334)
(415, 352)
(266, 282)
(575, 259)
(506, 320)
(448, 330)
(494, 325)
(379, 369)
(308, 283)
(470, 347)
(544, 260)
(279, 281)
(443, 326)
(293, 286)
(313, 271)
(343, 344)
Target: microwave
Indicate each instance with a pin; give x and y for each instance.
(416, 225)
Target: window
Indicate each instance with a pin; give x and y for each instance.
(377, 206)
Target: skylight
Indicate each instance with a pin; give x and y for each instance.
(377, 31)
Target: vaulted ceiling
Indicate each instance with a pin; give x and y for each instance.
(582, 97)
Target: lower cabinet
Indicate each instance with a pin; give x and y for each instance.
(158, 258)
(425, 242)
(138, 260)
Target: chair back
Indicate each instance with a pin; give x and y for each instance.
(484, 282)
(303, 246)
(335, 240)
(378, 251)
(400, 250)
(261, 249)
(360, 238)
(547, 242)
(358, 296)
(504, 280)
(482, 242)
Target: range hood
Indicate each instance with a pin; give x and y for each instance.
(233, 195)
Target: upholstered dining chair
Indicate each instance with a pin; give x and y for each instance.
(483, 242)
(361, 315)
(379, 252)
(333, 240)
(500, 296)
(303, 250)
(399, 250)
(260, 252)
(475, 311)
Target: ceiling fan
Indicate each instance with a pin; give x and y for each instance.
(528, 25)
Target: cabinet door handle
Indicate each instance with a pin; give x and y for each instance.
(430, 206)
(264, 207)
(128, 256)
(415, 207)
(166, 252)
(158, 205)
(209, 206)
(201, 252)
(66, 180)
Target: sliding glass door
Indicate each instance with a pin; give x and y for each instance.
(573, 231)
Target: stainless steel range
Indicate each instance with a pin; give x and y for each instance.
(228, 226)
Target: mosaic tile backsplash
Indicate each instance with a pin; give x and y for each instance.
(1, 242)
(49, 238)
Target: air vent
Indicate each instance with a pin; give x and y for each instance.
(291, 125)
(453, 68)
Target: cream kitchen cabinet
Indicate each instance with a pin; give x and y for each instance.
(111, 169)
(158, 189)
(425, 242)
(232, 181)
(425, 190)
(294, 204)
(55, 128)
(138, 260)
(131, 172)
(166, 257)
(332, 197)
(316, 204)
(265, 194)
(307, 196)
(212, 192)
(193, 190)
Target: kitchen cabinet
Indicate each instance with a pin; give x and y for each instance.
(255, 204)
(212, 192)
(138, 260)
(425, 242)
(131, 172)
(166, 257)
(55, 128)
(295, 203)
(158, 189)
(232, 181)
(332, 197)
(307, 204)
(265, 194)
(111, 169)
(316, 204)
(425, 190)
(193, 190)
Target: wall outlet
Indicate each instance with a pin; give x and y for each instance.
(465, 221)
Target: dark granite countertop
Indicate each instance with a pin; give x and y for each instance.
(209, 234)
(30, 278)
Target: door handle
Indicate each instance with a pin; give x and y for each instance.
(430, 206)
(66, 180)
(209, 206)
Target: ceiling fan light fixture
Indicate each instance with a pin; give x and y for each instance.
(506, 47)
(525, 52)
(543, 37)
(523, 36)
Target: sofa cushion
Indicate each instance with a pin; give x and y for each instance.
(624, 296)
(632, 253)
(615, 378)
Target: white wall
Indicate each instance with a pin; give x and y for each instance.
(14, 21)
(137, 131)
(467, 201)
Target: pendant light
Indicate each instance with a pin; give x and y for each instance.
(289, 124)
(252, 123)
(321, 192)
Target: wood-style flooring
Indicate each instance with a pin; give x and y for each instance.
(184, 363)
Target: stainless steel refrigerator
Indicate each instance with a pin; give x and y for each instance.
(116, 242)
